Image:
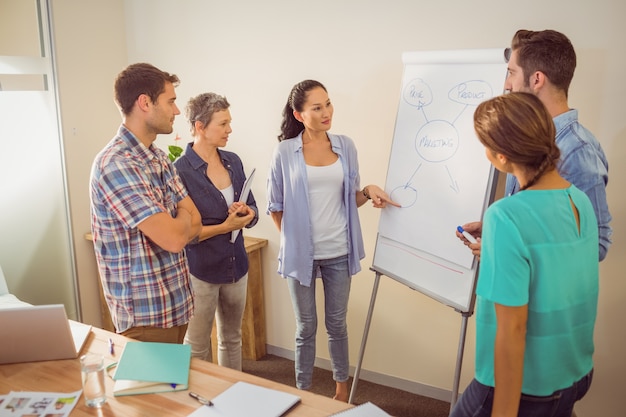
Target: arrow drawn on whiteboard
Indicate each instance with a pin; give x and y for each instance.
(453, 184)
(405, 195)
(411, 178)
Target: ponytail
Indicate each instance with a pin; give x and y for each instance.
(290, 127)
(519, 126)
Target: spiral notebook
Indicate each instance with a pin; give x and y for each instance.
(248, 400)
(367, 409)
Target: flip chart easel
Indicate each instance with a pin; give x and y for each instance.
(465, 315)
(439, 174)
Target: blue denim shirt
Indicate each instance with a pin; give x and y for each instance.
(584, 164)
(215, 260)
(287, 191)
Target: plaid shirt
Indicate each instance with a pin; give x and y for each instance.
(144, 285)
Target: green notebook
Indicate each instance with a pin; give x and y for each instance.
(151, 367)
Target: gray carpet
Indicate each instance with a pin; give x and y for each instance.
(395, 402)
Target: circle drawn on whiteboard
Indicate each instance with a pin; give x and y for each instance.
(437, 141)
(405, 195)
(471, 93)
(417, 93)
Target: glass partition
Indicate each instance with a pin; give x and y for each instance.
(36, 250)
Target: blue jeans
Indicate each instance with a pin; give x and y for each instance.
(477, 400)
(336, 280)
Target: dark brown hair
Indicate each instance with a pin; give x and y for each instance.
(290, 126)
(548, 51)
(138, 79)
(518, 126)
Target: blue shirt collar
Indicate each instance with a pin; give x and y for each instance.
(196, 161)
(565, 119)
(334, 143)
(144, 152)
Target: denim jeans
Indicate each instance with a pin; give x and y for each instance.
(477, 400)
(229, 300)
(336, 280)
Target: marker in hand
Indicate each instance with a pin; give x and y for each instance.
(467, 236)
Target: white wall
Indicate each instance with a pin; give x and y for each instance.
(90, 46)
(253, 52)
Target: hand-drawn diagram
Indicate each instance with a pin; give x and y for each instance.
(438, 172)
(437, 141)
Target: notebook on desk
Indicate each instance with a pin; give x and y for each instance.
(245, 400)
(151, 367)
(39, 333)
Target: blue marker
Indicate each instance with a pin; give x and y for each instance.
(467, 236)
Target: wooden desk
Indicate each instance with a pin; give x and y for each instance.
(205, 378)
(253, 327)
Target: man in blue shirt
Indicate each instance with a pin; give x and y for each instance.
(543, 63)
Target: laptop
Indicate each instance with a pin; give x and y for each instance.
(39, 333)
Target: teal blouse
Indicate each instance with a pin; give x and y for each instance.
(533, 253)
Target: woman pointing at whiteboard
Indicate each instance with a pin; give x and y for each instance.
(313, 197)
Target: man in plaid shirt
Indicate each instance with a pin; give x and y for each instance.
(142, 216)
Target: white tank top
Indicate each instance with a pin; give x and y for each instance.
(229, 195)
(328, 214)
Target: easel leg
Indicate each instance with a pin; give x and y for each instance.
(459, 360)
(368, 321)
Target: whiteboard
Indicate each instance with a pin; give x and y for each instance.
(438, 172)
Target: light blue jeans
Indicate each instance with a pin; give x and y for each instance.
(336, 280)
(229, 300)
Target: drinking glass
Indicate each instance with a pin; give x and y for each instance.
(92, 371)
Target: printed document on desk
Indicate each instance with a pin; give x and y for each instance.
(245, 191)
(150, 367)
(34, 403)
(246, 400)
(367, 409)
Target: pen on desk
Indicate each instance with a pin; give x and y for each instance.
(467, 236)
(200, 399)
(111, 347)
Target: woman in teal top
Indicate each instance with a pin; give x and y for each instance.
(537, 289)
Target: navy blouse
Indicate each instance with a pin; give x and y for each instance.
(215, 260)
